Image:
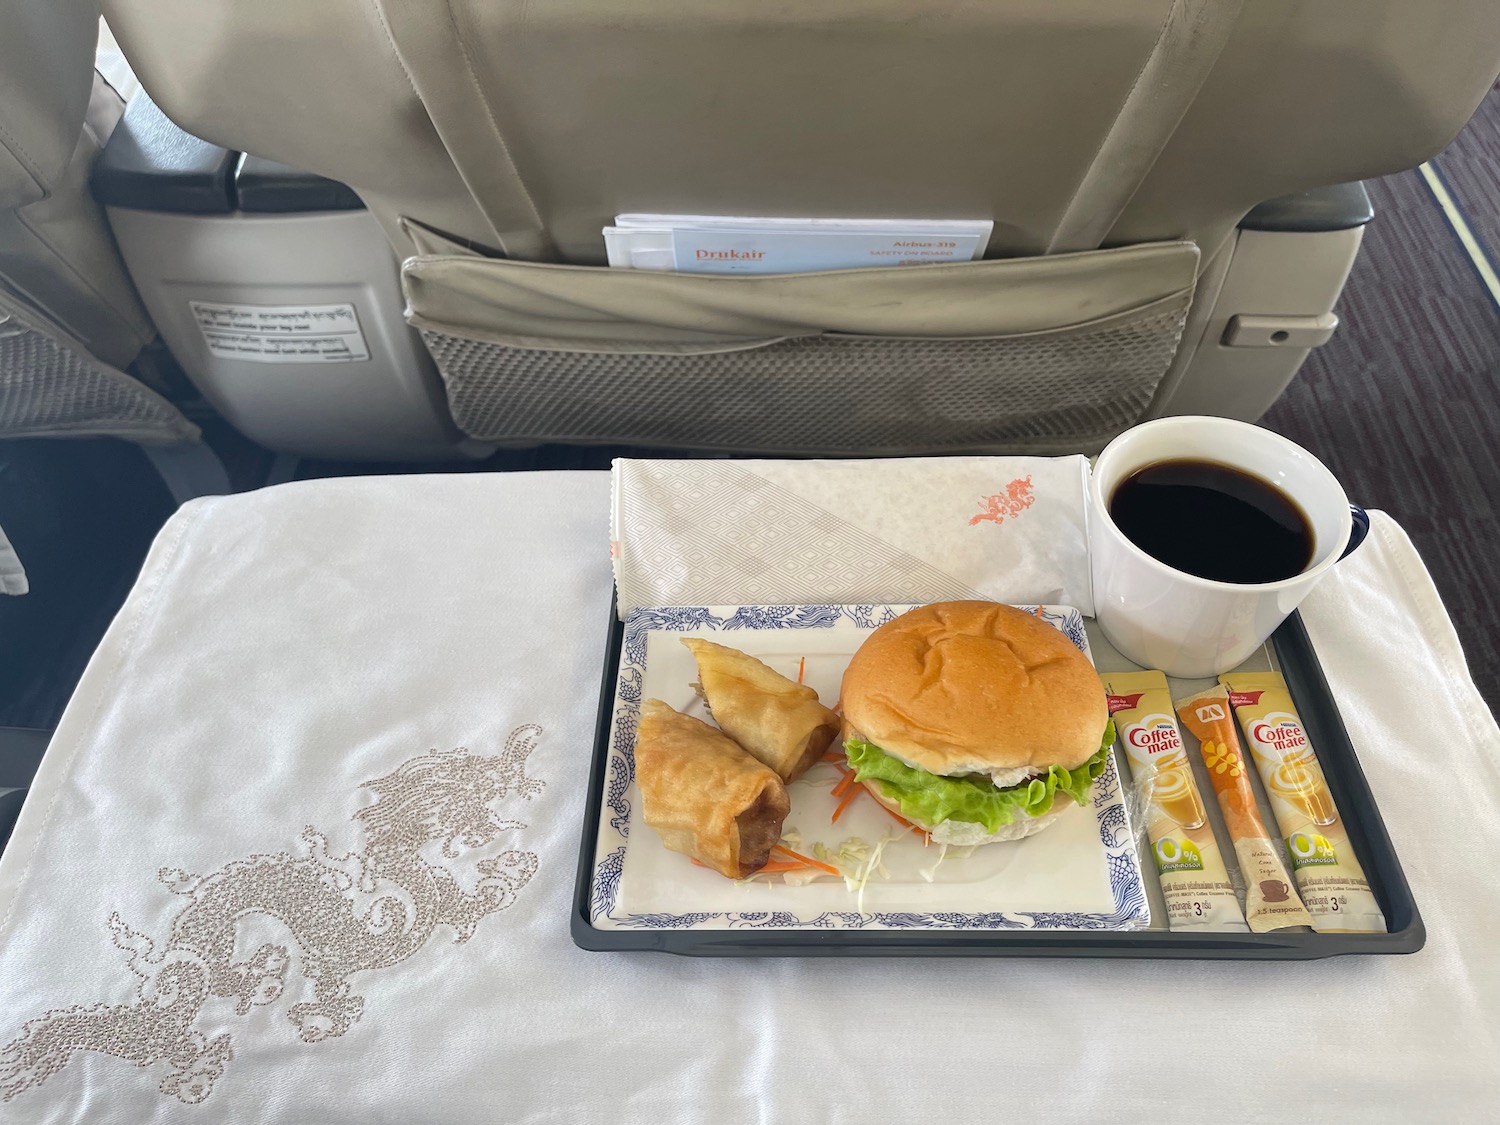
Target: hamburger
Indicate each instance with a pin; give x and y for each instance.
(975, 721)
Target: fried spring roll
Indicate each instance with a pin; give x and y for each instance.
(705, 796)
(780, 722)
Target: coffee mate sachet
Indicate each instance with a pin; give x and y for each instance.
(1191, 871)
(1332, 882)
(1271, 902)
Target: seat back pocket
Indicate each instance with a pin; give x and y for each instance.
(1044, 353)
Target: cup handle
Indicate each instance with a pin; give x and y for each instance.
(1361, 527)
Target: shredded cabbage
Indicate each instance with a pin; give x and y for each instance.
(857, 860)
(872, 864)
(944, 851)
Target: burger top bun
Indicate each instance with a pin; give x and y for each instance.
(974, 687)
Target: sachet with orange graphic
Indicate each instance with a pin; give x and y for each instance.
(1332, 883)
(1189, 865)
(1271, 901)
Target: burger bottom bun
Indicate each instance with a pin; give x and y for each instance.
(964, 833)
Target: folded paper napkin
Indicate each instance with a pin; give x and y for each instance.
(721, 532)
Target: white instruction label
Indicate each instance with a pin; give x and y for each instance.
(282, 333)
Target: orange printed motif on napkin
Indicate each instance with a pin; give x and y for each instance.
(1017, 497)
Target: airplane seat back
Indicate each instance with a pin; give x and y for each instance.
(493, 141)
(70, 319)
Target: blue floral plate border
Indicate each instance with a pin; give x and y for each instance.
(1131, 907)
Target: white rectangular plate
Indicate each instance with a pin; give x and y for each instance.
(1081, 873)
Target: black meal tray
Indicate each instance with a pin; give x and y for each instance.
(1325, 727)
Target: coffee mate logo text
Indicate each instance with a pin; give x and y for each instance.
(1154, 735)
(1278, 731)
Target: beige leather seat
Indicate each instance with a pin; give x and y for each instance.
(70, 319)
(518, 129)
(56, 251)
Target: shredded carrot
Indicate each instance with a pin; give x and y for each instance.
(844, 784)
(834, 758)
(807, 861)
(1037, 611)
(795, 861)
(899, 819)
(854, 791)
(777, 867)
(801, 668)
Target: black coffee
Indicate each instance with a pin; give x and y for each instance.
(1213, 521)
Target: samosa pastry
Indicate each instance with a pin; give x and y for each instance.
(704, 796)
(780, 722)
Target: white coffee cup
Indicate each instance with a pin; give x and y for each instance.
(1193, 627)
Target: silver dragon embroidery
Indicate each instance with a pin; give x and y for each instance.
(355, 913)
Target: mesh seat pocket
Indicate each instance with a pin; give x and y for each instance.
(803, 385)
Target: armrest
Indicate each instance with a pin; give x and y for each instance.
(150, 164)
(263, 185)
(1339, 207)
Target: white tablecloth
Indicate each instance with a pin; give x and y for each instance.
(176, 934)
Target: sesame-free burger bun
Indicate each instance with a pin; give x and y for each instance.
(974, 687)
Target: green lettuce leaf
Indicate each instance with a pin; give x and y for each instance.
(930, 799)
